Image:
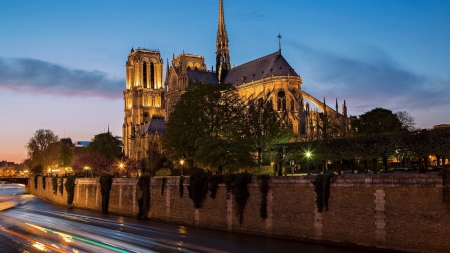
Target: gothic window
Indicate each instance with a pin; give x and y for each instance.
(281, 101)
(144, 74)
(152, 75)
(146, 100)
(153, 101)
(292, 104)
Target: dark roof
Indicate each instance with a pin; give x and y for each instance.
(197, 76)
(67, 142)
(266, 66)
(156, 124)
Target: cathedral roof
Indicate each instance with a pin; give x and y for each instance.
(266, 66)
(197, 76)
(156, 124)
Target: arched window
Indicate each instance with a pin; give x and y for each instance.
(144, 74)
(152, 75)
(281, 101)
(292, 104)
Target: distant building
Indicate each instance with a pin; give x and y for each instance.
(67, 141)
(82, 144)
(441, 126)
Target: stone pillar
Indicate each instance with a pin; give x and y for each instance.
(317, 225)
(230, 213)
(380, 216)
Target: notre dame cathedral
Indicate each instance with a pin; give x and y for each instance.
(149, 101)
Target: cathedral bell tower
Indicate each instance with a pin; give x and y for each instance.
(222, 51)
(144, 93)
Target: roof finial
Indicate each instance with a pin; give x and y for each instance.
(279, 41)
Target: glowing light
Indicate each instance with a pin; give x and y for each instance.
(182, 162)
(308, 154)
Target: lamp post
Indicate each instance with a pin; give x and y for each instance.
(181, 163)
(121, 165)
(308, 156)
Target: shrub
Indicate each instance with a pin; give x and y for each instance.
(70, 189)
(144, 200)
(164, 172)
(198, 187)
(105, 188)
(55, 184)
(264, 188)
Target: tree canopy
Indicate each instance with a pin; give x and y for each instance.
(107, 145)
(380, 120)
(43, 149)
(213, 127)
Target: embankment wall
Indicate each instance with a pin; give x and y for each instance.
(391, 211)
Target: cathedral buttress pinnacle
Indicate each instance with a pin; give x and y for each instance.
(222, 52)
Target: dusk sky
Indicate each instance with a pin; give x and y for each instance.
(62, 62)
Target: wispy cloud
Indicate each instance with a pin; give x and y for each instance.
(36, 76)
(375, 82)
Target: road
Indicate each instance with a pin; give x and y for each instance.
(34, 225)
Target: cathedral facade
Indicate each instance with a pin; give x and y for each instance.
(149, 101)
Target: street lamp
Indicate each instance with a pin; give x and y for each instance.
(308, 156)
(181, 163)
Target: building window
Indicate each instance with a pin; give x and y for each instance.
(292, 104)
(144, 74)
(281, 101)
(152, 75)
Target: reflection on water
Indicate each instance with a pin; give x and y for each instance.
(11, 189)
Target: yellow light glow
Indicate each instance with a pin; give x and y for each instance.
(181, 162)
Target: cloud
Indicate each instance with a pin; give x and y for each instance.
(36, 76)
(376, 81)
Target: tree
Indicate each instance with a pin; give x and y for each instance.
(106, 145)
(204, 110)
(132, 165)
(262, 126)
(43, 149)
(406, 119)
(94, 164)
(65, 156)
(377, 121)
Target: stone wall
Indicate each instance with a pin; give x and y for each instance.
(392, 211)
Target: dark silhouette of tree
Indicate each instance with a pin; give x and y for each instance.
(43, 149)
(106, 145)
(377, 121)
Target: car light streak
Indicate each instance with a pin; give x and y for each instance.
(38, 245)
(69, 238)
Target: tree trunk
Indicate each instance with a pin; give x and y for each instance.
(425, 163)
(280, 169)
(385, 164)
(420, 165)
(365, 164)
(403, 162)
(339, 167)
(374, 166)
(352, 166)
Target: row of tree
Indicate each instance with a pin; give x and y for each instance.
(419, 144)
(212, 127)
(102, 156)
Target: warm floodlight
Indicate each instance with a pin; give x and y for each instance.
(308, 154)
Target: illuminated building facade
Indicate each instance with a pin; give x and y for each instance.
(269, 77)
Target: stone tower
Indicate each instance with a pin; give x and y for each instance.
(144, 94)
(222, 51)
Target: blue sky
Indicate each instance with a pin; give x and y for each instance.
(62, 62)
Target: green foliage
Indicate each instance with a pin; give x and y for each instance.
(55, 184)
(181, 186)
(61, 186)
(164, 172)
(107, 145)
(241, 193)
(264, 188)
(163, 185)
(228, 181)
(70, 189)
(144, 200)
(43, 149)
(36, 181)
(198, 187)
(322, 189)
(44, 181)
(105, 188)
(377, 121)
(213, 184)
(65, 156)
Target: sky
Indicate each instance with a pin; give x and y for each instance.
(62, 63)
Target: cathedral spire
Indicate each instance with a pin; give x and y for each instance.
(222, 52)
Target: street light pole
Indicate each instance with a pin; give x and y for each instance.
(181, 163)
(308, 155)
